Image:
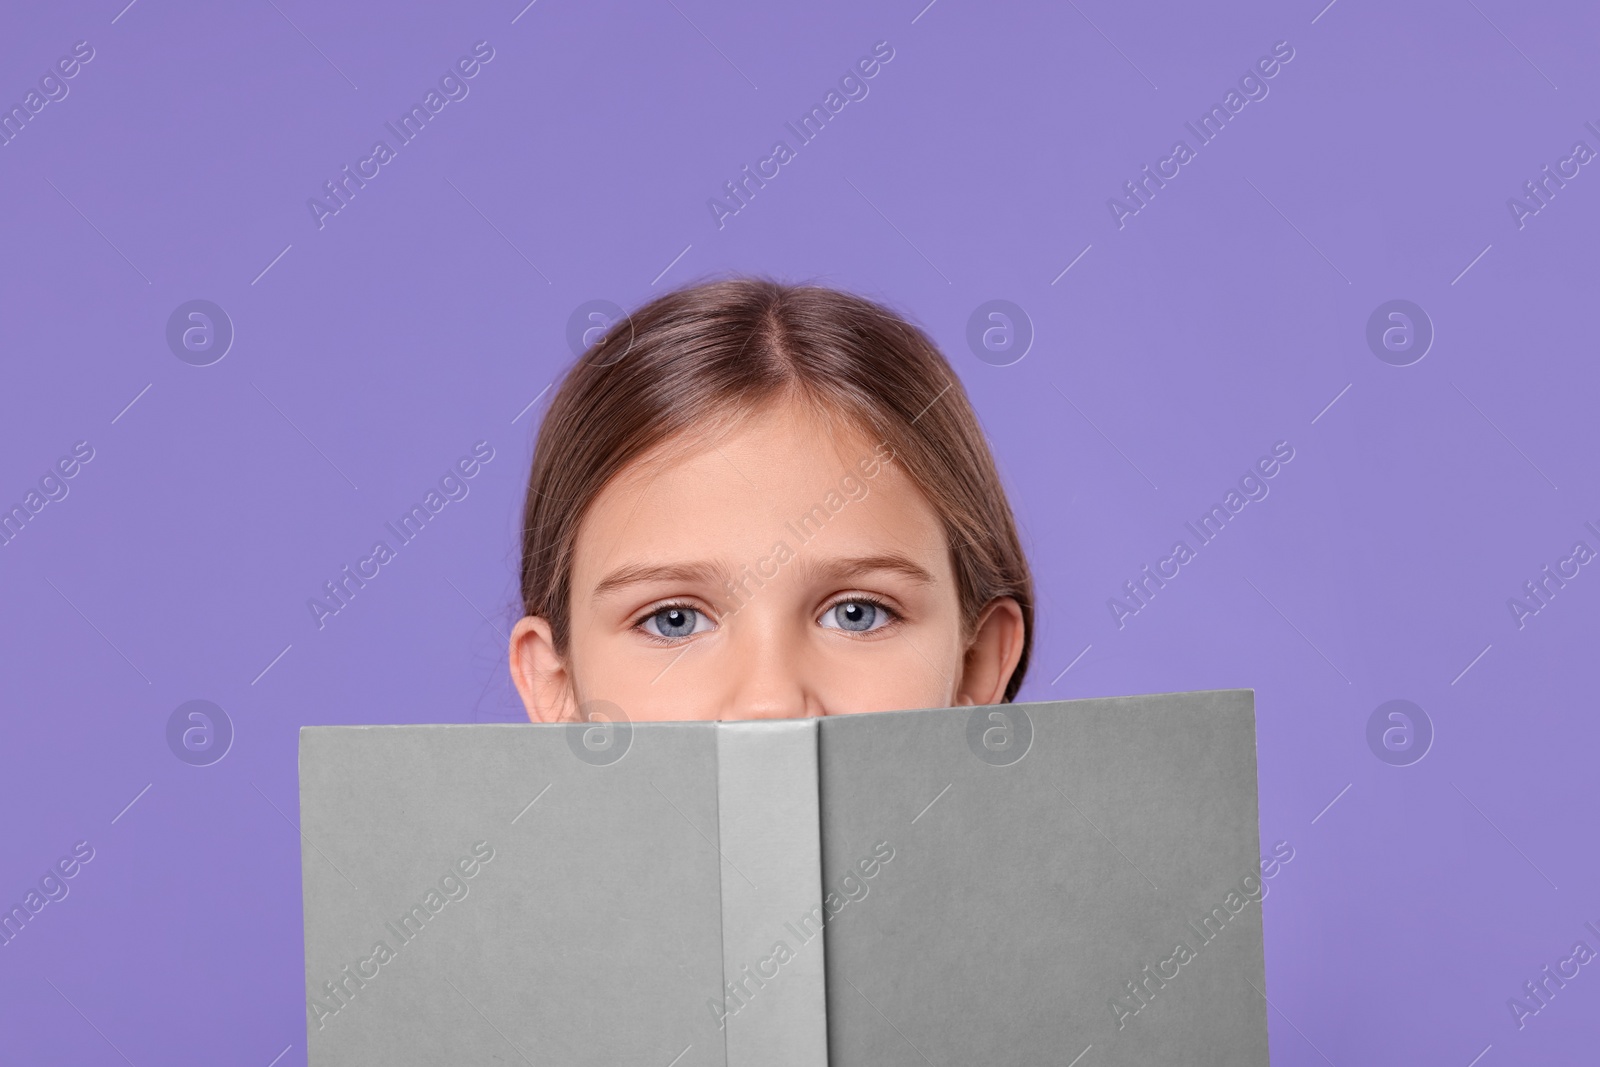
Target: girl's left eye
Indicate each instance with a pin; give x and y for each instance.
(675, 621)
(856, 616)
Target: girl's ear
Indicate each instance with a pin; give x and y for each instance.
(539, 673)
(996, 647)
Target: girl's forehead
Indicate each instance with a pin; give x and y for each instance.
(777, 476)
(794, 429)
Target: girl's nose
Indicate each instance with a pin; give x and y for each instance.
(768, 675)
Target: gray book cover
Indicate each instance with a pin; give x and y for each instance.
(1074, 882)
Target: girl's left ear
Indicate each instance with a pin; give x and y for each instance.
(540, 676)
(993, 655)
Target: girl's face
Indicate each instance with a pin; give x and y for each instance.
(780, 570)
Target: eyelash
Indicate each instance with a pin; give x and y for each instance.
(866, 598)
(657, 609)
(683, 605)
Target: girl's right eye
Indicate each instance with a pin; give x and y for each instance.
(675, 621)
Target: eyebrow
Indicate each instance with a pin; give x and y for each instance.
(702, 573)
(706, 572)
(855, 566)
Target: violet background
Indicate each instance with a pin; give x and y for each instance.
(416, 323)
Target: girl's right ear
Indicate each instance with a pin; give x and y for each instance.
(539, 673)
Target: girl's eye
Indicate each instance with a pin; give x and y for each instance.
(675, 620)
(857, 616)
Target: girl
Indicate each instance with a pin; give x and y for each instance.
(752, 500)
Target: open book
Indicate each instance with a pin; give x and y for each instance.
(1074, 882)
